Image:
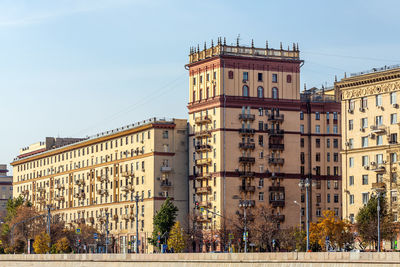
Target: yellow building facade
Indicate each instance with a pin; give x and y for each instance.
(83, 179)
(253, 137)
(370, 148)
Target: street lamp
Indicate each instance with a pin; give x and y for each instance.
(245, 204)
(306, 184)
(297, 203)
(378, 188)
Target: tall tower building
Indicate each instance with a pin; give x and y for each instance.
(248, 145)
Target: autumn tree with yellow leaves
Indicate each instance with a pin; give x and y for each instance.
(330, 228)
(177, 239)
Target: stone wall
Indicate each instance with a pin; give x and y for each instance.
(203, 259)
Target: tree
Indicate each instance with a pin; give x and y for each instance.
(41, 244)
(163, 221)
(62, 245)
(265, 228)
(177, 239)
(329, 228)
(367, 221)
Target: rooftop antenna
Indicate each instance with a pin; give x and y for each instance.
(237, 39)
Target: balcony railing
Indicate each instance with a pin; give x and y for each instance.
(277, 217)
(202, 134)
(276, 175)
(102, 178)
(276, 160)
(378, 168)
(247, 203)
(247, 117)
(60, 186)
(276, 132)
(247, 188)
(246, 131)
(80, 181)
(202, 218)
(127, 174)
(102, 191)
(378, 129)
(276, 146)
(277, 203)
(166, 168)
(274, 117)
(247, 160)
(276, 189)
(166, 184)
(202, 147)
(246, 174)
(205, 161)
(379, 186)
(59, 198)
(127, 188)
(205, 204)
(203, 176)
(204, 189)
(203, 119)
(247, 145)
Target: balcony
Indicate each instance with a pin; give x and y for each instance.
(276, 189)
(102, 178)
(277, 217)
(202, 218)
(203, 134)
(247, 203)
(378, 168)
(203, 120)
(201, 176)
(246, 174)
(166, 184)
(275, 132)
(246, 131)
(41, 189)
(275, 117)
(91, 220)
(379, 186)
(277, 203)
(205, 204)
(276, 146)
(102, 191)
(202, 148)
(59, 198)
(277, 161)
(247, 160)
(378, 129)
(60, 186)
(127, 174)
(206, 161)
(126, 217)
(202, 190)
(127, 188)
(276, 175)
(247, 117)
(80, 182)
(166, 168)
(247, 188)
(79, 195)
(246, 146)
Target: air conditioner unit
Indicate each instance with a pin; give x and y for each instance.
(350, 110)
(161, 194)
(158, 178)
(362, 129)
(366, 167)
(384, 162)
(372, 136)
(380, 107)
(395, 105)
(347, 144)
(361, 109)
(373, 163)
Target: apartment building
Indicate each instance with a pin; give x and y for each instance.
(5, 190)
(370, 137)
(253, 137)
(90, 180)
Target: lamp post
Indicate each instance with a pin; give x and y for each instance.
(107, 214)
(298, 204)
(306, 184)
(379, 187)
(137, 199)
(245, 204)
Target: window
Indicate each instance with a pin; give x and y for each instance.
(379, 140)
(351, 143)
(335, 129)
(351, 162)
(302, 142)
(194, 80)
(302, 157)
(393, 118)
(351, 200)
(378, 120)
(288, 78)
(335, 157)
(318, 198)
(379, 158)
(318, 143)
(365, 198)
(260, 92)
(260, 111)
(260, 77)
(317, 129)
(260, 126)
(215, 75)
(351, 125)
(274, 78)
(378, 100)
(393, 98)
(365, 161)
(261, 196)
(317, 116)
(208, 77)
(328, 157)
(351, 180)
(364, 141)
(364, 179)
(394, 177)
(301, 115)
(260, 140)
(393, 157)
(336, 198)
(318, 212)
(328, 198)
(301, 128)
(351, 105)
(327, 129)
(245, 90)
(245, 76)
(275, 93)
(230, 74)
(328, 143)
(364, 123)
(165, 134)
(318, 157)
(364, 102)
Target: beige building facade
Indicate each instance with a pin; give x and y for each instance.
(370, 149)
(85, 179)
(253, 137)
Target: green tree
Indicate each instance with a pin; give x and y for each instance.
(163, 221)
(367, 221)
(41, 244)
(62, 245)
(177, 238)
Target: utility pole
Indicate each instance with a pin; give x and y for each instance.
(48, 223)
(379, 228)
(106, 232)
(137, 198)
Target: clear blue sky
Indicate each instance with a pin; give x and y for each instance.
(75, 68)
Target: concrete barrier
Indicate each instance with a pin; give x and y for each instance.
(319, 259)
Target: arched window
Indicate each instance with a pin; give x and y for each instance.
(289, 78)
(230, 74)
(275, 93)
(260, 92)
(245, 90)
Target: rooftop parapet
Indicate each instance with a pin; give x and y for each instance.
(222, 49)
